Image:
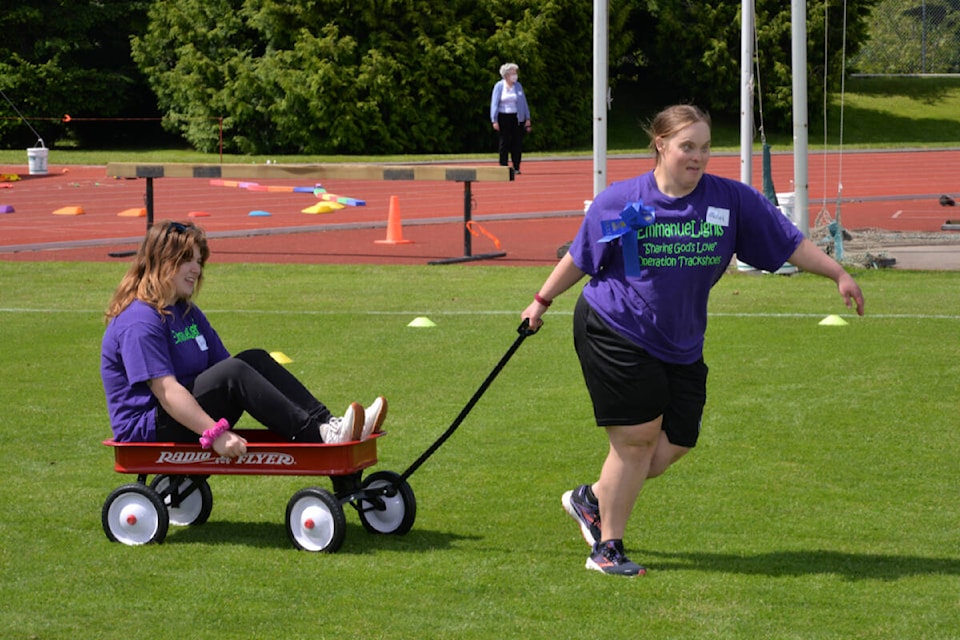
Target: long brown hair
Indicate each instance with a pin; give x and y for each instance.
(150, 276)
(673, 119)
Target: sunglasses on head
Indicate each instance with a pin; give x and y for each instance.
(179, 227)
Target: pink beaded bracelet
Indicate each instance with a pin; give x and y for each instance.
(206, 440)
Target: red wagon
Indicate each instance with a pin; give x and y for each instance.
(140, 513)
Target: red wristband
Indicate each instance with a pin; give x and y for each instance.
(542, 300)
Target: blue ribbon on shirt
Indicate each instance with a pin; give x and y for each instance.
(634, 217)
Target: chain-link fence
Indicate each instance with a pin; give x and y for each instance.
(911, 37)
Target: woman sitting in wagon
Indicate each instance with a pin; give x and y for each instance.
(169, 378)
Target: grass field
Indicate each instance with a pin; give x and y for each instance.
(820, 503)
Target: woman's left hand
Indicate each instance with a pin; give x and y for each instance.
(850, 291)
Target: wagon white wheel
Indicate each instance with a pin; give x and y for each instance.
(315, 520)
(194, 508)
(391, 506)
(134, 514)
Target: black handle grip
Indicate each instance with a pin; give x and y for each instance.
(525, 330)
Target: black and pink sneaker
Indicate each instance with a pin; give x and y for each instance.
(585, 511)
(608, 557)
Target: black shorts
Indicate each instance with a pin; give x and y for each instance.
(628, 386)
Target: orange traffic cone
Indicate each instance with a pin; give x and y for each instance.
(394, 225)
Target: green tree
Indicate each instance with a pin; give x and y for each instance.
(368, 76)
(60, 57)
(395, 76)
(912, 37)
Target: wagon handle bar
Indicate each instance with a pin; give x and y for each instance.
(524, 330)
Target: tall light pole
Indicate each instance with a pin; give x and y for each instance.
(746, 91)
(801, 127)
(600, 87)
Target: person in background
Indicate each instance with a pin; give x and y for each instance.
(168, 377)
(510, 115)
(653, 246)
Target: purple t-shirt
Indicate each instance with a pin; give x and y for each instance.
(682, 255)
(141, 344)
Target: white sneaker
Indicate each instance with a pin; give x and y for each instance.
(345, 429)
(375, 414)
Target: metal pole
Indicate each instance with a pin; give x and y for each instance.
(600, 34)
(148, 201)
(746, 92)
(467, 241)
(923, 36)
(801, 127)
(467, 216)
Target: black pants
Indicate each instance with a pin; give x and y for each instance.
(254, 382)
(511, 138)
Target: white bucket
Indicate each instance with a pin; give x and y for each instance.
(785, 202)
(37, 159)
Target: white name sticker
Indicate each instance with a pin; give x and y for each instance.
(718, 216)
(202, 343)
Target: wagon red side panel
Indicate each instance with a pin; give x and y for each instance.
(262, 458)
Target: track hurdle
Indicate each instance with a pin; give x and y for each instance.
(319, 172)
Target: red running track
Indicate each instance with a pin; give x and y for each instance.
(530, 217)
